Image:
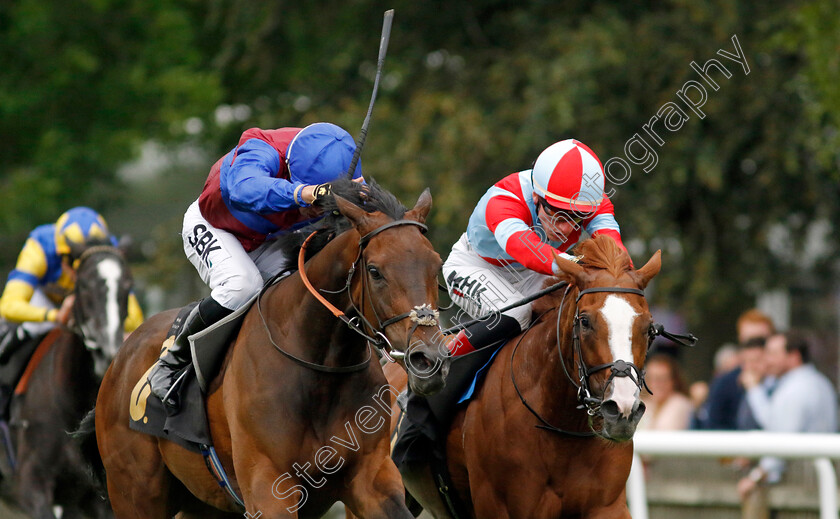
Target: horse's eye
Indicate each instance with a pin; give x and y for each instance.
(374, 273)
(584, 321)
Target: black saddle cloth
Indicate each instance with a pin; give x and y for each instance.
(425, 421)
(188, 427)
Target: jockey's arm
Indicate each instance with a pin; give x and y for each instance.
(506, 219)
(135, 314)
(30, 268)
(250, 184)
(603, 222)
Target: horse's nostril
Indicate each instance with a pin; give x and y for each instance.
(609, 410)
(419, 363)
(639, 412)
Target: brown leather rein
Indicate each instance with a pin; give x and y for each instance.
(421, 315)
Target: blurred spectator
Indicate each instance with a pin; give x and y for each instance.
(668, 407)
(726, 392)
(698, 392)
(803, 400)
(753, 373)
(754, 323)
(726, 359)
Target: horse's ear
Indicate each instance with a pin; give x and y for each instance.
(76, 249)
(124, 244)
(571, 269)
(422, 207)
(355, 214)
(651, 268)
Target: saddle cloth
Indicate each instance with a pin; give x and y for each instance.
(188, 427)
(428, 419)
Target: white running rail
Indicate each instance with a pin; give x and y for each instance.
(712, 444)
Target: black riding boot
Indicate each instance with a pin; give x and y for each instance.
(422, 432)
(484, 333)
(178, 356)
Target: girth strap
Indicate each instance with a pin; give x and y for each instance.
(214, 465)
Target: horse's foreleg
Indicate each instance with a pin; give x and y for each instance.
(413, 506)
(34, 490)
(267, 495)
(138, 482)
(377, 491)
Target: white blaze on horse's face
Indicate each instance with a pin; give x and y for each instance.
(110, 271)
(619, 315)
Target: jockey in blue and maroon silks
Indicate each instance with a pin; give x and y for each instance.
(262, 188)
(506, 253)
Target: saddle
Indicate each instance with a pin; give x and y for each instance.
(22, 361)
(188, 427)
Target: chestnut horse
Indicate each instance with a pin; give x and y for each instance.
(62, 386)
(271, 416)
(523, 447)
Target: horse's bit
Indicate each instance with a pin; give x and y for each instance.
(79, 323)
(618, 368)
(421, 315)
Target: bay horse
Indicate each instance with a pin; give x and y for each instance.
(272, 417)
(549, 434)
(62, 382)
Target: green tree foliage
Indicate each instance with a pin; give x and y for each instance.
(83, 83)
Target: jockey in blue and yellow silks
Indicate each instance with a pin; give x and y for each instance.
(36, 291)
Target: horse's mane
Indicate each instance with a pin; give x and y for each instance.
(598, 252)
(371, 197)
(602, 252)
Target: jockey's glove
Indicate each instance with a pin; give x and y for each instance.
(321, 190)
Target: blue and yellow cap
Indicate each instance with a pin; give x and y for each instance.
(79, 225)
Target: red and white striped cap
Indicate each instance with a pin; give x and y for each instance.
(569, 176)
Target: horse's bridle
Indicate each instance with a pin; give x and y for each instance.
(421, 315)
(78, 326)
(618, 368)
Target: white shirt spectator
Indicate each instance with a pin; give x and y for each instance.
(803, 401)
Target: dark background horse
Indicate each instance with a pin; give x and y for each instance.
(51, 468)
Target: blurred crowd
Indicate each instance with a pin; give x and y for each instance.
(765, 381)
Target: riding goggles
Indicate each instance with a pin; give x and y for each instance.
(558, 214)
